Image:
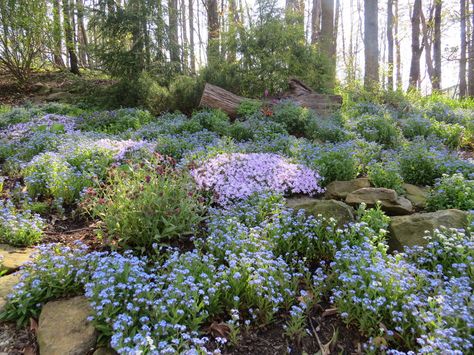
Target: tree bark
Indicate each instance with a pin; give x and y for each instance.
(436, 83)
(68, 35)
(416, 49)
(82, 34)
(427, 27)
(57, 36)
(371, 74)
(471, 57)
(212, 32)
(192, 55)
(398, 56)
(173, 31)
(327, 39)
(462, 61)
(390, 44)
(315, 21)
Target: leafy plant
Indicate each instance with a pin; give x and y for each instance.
(453, 191)
(337, 162)
(385, 174)
(379, 128)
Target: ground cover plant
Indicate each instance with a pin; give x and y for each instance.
(193, 247)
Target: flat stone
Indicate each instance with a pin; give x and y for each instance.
(417, 195)
(338, 210)
(104, 351)
(63, 328)
(389, 200)
(13, 257)
(411, 230)
(7, 283)
(339, 190)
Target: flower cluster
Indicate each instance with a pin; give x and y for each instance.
(237, 176)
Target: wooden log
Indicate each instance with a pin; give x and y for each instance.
(216, 97)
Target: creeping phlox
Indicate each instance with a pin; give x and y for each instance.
(237, 176)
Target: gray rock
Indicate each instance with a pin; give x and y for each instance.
(416, 194)
(63, 328)
(13, 257)
(6, 287)
(339, 190)
(389, 200)
(410, 230)
(338, 210)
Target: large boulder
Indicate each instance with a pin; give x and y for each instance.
(410, 230)
(389, 200)
(339, 190)
(13, 257)
(63, 328)
(417, 195)
(338, 210)
(6, 287)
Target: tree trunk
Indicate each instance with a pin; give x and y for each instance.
(327, 39)
(82, 34)
(212, 32)
(184, 34)
(398, 56)
(427, 27)
(371, 76)
(315, 21)
(173, 31)
(68, 35)
(416, 49)
(471, 57)
(191, 38)
(233, 20)
(57, 36)
(462, 62)
(390, 44)
(436, 83)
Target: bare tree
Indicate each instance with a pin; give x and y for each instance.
(371, 43)
(315, 21)
(462, 61)
(390, 43)
(416, 48)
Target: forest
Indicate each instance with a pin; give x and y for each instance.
(236, 177)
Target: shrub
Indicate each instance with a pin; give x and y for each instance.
(237, 176)
(336, 162)
(292, 116)
(146, 204)
(185, 92)
(416, 126)
(213, 120)
(378, 128)
(386, 174)
(256, 128)
(152, 95)
(326, 129)
(418, 164)
(179, 145)
(375, 218)
(249, 108)
(19, 228)
(114, 122)
(452, 192)
(450, 134)
(441, 112)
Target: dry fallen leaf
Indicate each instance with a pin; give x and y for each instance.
(219, 329)
(329, 312)
(33, 325)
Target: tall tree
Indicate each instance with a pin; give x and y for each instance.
(212, 31)
(327, 38)
(315, 21)
(398, 55)
(57, 34)
(436, 82)
(294, 14)
(471, 57)
(371, 43)
(82, 34)
(462, 61)
(390, 43)
(173, 31)
(191, 37)
(69, 37)
(416, 48)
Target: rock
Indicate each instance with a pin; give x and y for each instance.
(341, 212)
(41, 88)
(340, 189)
(410, 230)
(6, 287)
(104, 351)
(13, 257)
(63, 328)
(416, 194)
(389, 200)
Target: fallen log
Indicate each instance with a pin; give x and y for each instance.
(216, 97)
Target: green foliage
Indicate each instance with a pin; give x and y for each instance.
(375, 218)
(418, 164)
(114, 122)
(326, 129)
(146, 204)
(385, 174)
(453, 191)
(416, 126)
(249, 108)
(292, 116)
(451, 134)
(213, 120)
(378, 128)
(152, 95)
(337, 162)
(185, 93)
